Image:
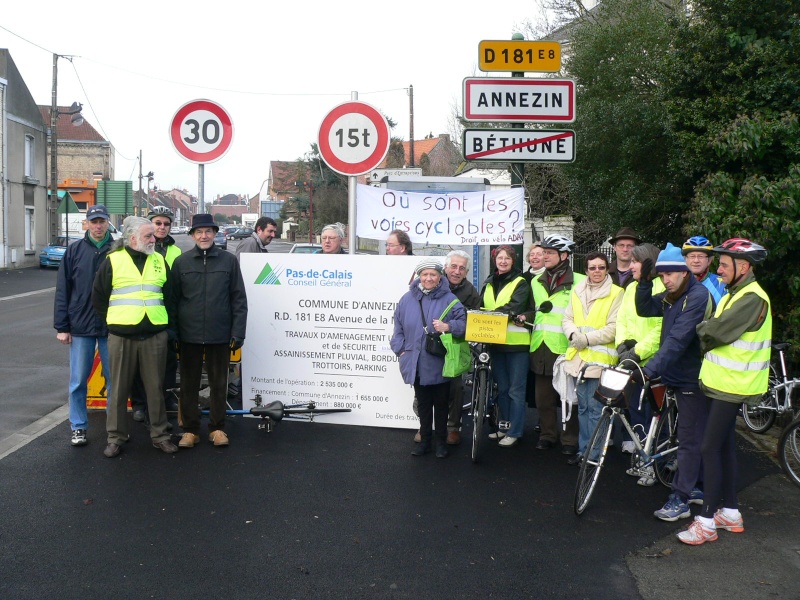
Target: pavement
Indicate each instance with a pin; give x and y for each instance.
(316, 510)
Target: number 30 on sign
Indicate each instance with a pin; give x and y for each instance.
(201, 131)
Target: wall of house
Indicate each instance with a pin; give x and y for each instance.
(82, 160)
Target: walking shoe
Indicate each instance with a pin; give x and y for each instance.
(575, 459)
(417, 437)
(78, 437)
(138, 415)
(674, 509)
(508, 441)
(166, 446)
(697, 534)
(724, 522)
(441, 450)
(111, 450)
(635, 472)
(218, 437)
(188, 440)
(544, 444)
(421, 448)
(569, 450)
(696, 496)
(497, 436)
(628, 447)
(453, 438)
(648, 477)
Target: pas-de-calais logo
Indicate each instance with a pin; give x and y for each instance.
(269, 276)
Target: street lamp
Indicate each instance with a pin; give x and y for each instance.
(77, 120)
(310, 185)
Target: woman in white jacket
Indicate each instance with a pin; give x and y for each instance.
(590, 323)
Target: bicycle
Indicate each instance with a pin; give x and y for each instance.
(660, 445)
(789, 450)
(779, 398)
(484, 389)
(275, 411)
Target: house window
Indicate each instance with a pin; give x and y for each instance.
(30, 236)
(30, 157)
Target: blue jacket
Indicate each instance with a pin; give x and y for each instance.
(73, 311)
(408, 336)
(715, 286)
(678, 359)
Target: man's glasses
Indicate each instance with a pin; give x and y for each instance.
(393, 245)
(596, 268)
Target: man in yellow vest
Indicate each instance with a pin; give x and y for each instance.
(161, 217)
(550, 294)
(129, 293)
(736, 343)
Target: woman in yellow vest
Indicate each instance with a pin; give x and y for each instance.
(736, 344)
(507, 291)
(590, 324)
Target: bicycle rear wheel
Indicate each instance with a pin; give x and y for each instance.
(760, 418)
(666, 438)
(789, 451)
(480, 396)
(592, 462)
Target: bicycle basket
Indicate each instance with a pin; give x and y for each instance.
(615, 388)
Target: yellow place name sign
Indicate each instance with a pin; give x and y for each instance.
(487, 327)
(519, 55)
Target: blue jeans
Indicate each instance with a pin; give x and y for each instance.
(510, 370)
(81, 357)
(589, 411)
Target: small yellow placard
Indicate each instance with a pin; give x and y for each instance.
(487, 327)
(519, 55)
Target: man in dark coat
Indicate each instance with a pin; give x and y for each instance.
(211, 318)
(74, 318)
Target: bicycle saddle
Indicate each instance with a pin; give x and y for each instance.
(273, 410)
(781, 346)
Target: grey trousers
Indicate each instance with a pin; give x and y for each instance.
(128, 356)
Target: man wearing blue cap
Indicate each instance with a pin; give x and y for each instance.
(76, 323)
(685, 303)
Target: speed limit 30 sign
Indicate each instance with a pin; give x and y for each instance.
(201, 131)
(354, 138)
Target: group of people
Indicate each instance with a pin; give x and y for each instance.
(140, 301)
(664, 313)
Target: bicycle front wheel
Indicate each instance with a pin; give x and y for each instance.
(760, 418)
(666, 439)
(592, 462)
(789, 451)
(480, 397)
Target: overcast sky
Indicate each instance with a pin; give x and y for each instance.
(277, 69)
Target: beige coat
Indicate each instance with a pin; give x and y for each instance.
(587, 293)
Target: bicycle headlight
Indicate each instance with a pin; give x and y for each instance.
(483, 357)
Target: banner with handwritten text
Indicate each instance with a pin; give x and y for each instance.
(476, 218)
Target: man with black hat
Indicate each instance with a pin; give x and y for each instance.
(623, 244)
(74, 319)
(212, 316)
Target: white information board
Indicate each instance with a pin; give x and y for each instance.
(318, 328)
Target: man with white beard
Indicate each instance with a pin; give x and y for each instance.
(131, 292)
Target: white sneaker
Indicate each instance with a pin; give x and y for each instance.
(628, 447)
(508, 441)
(648, 477)
(497, 436)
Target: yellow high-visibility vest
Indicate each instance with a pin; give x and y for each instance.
(173, 252)
(547, 326)
(515, 335)
(742, 367)
(596, 319)
(135, 294)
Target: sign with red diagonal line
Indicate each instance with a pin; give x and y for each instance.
(519, 145)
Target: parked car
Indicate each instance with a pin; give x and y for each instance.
(241, 233)
(179, 229)
(229, 230)
(51, 255)
(306, 248)
(220, 240)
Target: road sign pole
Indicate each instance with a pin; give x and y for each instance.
(517, 169)
(201, 183)
(351, 202)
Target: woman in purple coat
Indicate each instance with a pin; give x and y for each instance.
(421, 308)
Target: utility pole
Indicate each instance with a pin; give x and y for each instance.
(411, 124)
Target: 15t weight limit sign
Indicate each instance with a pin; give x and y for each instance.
(201, 131)
(354, 138)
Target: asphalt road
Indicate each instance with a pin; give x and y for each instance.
(316, 510)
